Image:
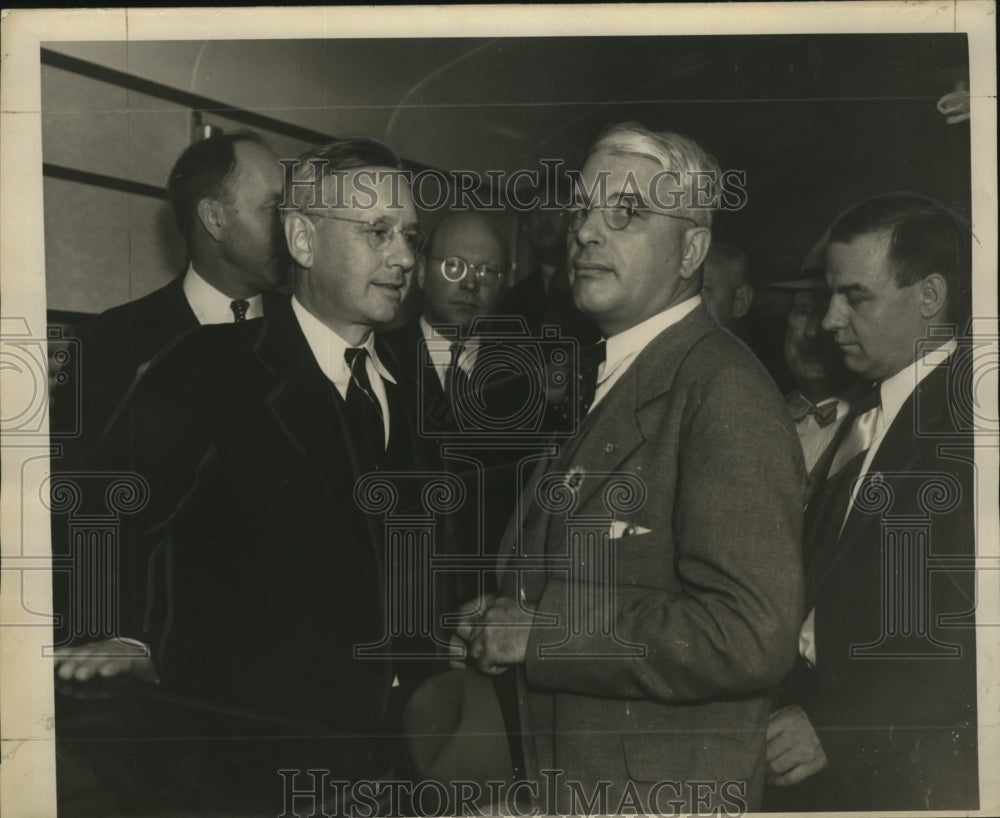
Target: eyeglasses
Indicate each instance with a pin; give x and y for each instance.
(381, 232)
(455, 269)
(616, 217)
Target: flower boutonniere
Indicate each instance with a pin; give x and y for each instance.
(574, 477)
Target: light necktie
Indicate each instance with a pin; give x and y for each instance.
(824, 516)
(239, 308)
(861, 423)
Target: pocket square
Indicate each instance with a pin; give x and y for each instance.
(622, 528)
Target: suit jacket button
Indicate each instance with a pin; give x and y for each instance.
(609, 448)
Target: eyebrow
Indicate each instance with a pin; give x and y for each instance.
(614, 196)
(855, 289)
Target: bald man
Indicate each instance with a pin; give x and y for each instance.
(468, 382)
(461, 278)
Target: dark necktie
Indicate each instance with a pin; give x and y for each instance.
(239, 308)
(590, 363)
(455, 379)
(363, 409)
(836, 472)
(591, 358)
(801, 407)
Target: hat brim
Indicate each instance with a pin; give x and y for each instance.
(810, 283)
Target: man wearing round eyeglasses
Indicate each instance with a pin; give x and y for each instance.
(645, 644)
(266, 576)
(464, 273)
(461, 278)
(468, 384)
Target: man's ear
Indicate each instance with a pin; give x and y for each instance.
(742, 299)
(696, 243)
(933, 295)
(421, 270)
(300, 236)
(212, 217)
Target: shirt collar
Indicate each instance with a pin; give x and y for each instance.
(212, 306)
(328, 348)
(895, 389)
(439, 349)
(627, 344)
(430, 333)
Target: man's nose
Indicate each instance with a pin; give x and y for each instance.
(834, 318)
(470, 281)
(401, 254)
(590, 231)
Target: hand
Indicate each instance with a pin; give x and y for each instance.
(500, 638)
(469, 614)
(793, 749)
(105, 659)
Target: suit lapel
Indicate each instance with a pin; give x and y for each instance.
(898, 452)
(176, 312)
(304, 402)
(623, 421)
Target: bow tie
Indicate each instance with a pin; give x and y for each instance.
(801, 407)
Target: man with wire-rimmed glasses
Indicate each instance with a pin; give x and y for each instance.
(652, 588)
(265, 572)
(469, 382)
(461, 279)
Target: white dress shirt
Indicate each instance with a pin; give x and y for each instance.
(439, 350)
(894, 392)
(328, 349)
(815, 438)
(622, 349)
(210, 306)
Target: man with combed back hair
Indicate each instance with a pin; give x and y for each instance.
(879, 713)
(266, 606)
(646, 622)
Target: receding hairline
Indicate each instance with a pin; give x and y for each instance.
(455, 220)
(232, 181)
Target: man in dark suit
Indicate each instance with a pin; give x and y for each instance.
(470, 387)
(260, 577)
(646, 623)
(224, 191)
(461, 281)
(880, 712)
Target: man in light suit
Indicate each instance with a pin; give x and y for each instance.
(880, 711)
(254, 575)
(646, 623)
(224, 191)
